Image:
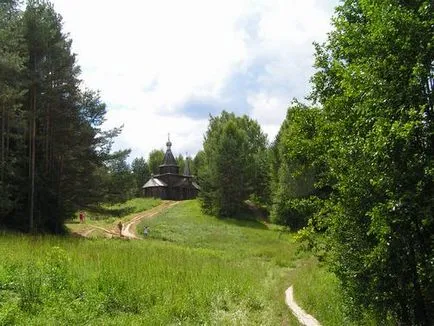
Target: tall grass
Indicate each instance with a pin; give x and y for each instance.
(318, 291)
(195, 281)
(192, 269)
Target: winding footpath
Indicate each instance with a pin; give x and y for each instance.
(303, 317)
(129, 227)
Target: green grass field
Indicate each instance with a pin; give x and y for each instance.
(192, 269)
(106, 212)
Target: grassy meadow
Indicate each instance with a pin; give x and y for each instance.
(192, 269)
(316, 290)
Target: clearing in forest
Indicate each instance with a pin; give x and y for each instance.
(191, 269)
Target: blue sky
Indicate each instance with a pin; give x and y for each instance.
(165, 66)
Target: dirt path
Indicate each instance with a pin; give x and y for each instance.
(128, 229)
(86, 233)
(303, 317)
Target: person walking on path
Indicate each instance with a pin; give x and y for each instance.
(120, 228)
(81, 217)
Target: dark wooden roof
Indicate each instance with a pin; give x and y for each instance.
(169, 159)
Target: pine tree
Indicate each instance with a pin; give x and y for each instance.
(53, 151)
(121, 185)
(231, 170)
(12, 58)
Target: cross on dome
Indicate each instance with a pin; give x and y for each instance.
(169, 143)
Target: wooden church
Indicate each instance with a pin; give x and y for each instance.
(169, 183)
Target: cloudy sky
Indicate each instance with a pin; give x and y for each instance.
(164, 66)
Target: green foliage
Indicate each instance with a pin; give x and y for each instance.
(120, 180)
(141, 174)
(181, 163)
(155, 159)
(375, 81)
(12, 54)
(233, 162)
(298, 166)
(196, 163)
(52, 149)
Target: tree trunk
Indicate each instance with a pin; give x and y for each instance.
(32, 160)
(2, 156)
(7, 130)
(421, 316)
(47, 141)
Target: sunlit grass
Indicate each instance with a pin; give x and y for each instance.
(192, 269)
(134, 205)
(317, 290)
(71, 281)
(186, 225)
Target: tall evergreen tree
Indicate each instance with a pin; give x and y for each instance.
(196, 163)
(12, 58)
(121, 186)
(53, 116)
(232, 170)
(52, 148)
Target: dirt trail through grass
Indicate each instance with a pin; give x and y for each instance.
(303, 317)
(128, 229)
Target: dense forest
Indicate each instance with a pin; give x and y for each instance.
(55, 158)
(351, 169)
(51, 145)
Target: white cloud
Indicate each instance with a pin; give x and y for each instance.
(149, 57)
(267, 108)
(287, 30)
(145, 131)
